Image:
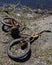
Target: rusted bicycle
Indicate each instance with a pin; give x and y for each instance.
(13, 26)
(19, 48)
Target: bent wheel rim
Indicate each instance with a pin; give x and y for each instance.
(8, 22)
(13, 43)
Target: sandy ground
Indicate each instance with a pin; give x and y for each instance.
(41, 48)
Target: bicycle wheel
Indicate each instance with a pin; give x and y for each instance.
(21, 51)
(5, 28)
(9, 21)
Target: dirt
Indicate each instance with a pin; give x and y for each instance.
(41, 49)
